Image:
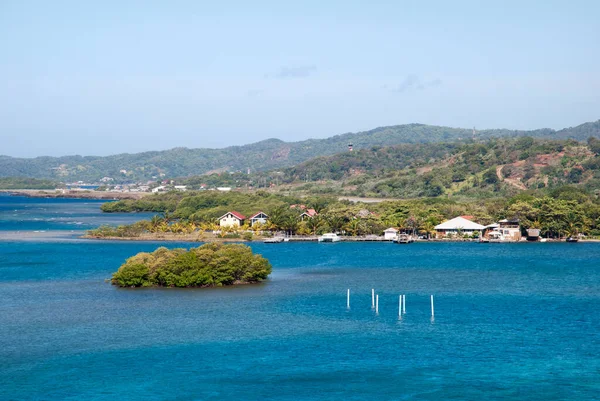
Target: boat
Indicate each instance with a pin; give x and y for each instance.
(404, 239)
(572, 239)
(274, 240)
(329, 237)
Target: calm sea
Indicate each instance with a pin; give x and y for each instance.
(512, 321)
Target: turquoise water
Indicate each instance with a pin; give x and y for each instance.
(512, 321)
(57, 215)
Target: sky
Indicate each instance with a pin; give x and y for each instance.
(107, 77)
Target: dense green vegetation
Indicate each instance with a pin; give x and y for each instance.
(267, 155)
(206, 266)
(204, 205)
(476, 170)
(27, 183)
(558, 212)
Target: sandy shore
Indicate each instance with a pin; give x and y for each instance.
(41, 236)
(37, 193)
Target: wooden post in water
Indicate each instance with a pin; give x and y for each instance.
(400, 306)
(348, 299)
(377, 304)
(432, 313)
(403, 303)
(372, 297)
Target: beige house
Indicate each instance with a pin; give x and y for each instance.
(505, 230)
(232, 219)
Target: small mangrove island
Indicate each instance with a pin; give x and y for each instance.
(210, 265)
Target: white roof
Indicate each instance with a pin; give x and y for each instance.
(391, 230)
(459, 223)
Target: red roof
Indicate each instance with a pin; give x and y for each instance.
(236, 214)
(468, 217)
(310, 212)
(251, 217)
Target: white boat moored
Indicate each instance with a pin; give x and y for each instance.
(329, 237)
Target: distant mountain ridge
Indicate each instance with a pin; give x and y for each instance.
(265, 155)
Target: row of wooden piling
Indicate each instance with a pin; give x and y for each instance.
(401, 303)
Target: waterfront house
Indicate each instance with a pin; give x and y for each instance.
(458, 226)
(308, 213)
(511, 229)
(390, 234)
(259, 218)
(232, 219)
(506, 230)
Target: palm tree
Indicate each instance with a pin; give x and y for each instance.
(155, 222)
(168, 216)
(314, 223)
(335, 222)
(290, 223)
(428, 228)
(354, 226)
(277, 217)
(258, 227)
(177, 228)
(163, 227)
(574, 223)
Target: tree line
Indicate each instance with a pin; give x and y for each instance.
(561, 212)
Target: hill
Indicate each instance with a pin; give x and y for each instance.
(266, 155)
(496, 167)
(486, 169)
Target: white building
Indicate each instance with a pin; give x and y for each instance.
(259, 217)
(458, 226)
(504, 231)
(390, 234)
(231, 219)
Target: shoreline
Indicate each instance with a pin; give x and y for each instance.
(170, 238)
(196, 238)
(74, 194)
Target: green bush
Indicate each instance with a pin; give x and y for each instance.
(206, 266)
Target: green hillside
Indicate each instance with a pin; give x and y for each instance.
(492, 168)
(266, 155)
(496, 167)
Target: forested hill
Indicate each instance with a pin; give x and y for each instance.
(261, 156)
(499, 166)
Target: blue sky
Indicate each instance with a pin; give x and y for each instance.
(98, 78)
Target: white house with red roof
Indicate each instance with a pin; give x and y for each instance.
(259, 218)
(232, 219)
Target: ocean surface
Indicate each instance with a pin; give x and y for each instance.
(512, 321)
